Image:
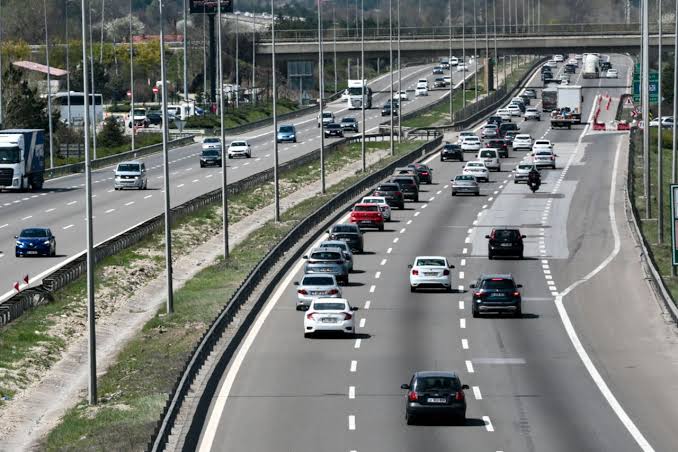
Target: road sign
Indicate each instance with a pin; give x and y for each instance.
(129, 93)
(674, 224)
(653, 88)
(155, 90)
(654, 76)
(180, 125)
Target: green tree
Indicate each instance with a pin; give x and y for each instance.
(111, 133)
(23, 106)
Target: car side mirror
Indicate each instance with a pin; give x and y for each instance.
(409, 266)
(523, 236)
(305, 257)
(305, 308)
(519, 286)
(296, 283)
(487, 236)
(354, 308)
(472, 286)
(463, 387)
(404, 386)
(451, 266)
(16, 236)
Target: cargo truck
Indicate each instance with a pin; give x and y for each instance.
(568, 108)
(22, 159)
(549, 99)
(356, 95)
(591, 66)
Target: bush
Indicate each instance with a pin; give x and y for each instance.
(111, 133)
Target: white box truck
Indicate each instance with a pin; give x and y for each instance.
(356, 97)
(591, 66)
(568, 106)
(22, 159)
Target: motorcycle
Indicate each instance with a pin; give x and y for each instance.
(534, 185)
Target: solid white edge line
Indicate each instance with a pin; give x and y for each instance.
(574, 337)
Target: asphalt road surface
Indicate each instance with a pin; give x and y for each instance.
(590, 366)
(61, 204)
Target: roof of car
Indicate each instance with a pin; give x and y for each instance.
(496, 275)
(436, 373)
(326, 248)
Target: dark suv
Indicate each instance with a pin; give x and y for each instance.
(498, 144)
(435, 394)
(392, 193)
(496, 293)
(349, 233)
(408, 186)
(451, 151)
(505, 242)
(506, 127)
(423, 171)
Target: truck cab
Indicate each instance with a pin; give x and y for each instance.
(22, 159)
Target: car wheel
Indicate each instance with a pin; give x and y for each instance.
(410, 419)
(490, 256)
(17, 255)
(477, 193)
(53, 252)
(515, 181)
(381, 228)
(416, 199)
(454, 193)
(518, 313)
(307, 335)
(476, 314)
(413, 289)
(202, 166)
(460, 420)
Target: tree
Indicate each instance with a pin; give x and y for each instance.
(23, 106)
(111, 133)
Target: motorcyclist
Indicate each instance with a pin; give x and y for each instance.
(534, 177)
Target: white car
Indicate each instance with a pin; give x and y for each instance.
(470, 144)
(430, 271)
(611, 73)
(522, 171)
(314, 286)
(422, 81)
(211, 144)
(542, 144)
(239, 149)
(463, 135)
(454, 61)
(404, 96)
(490, 157)
(329, 314)
(421, 91)
(544, 158)
(514, 110)
(504, 114)
(522, 141)
(532, 113)
(558, 58)
(573, 61)
(579, 57)
(462, 67)
(667, 121)
(552, 63)
(381, 202)
(476, 169)
(448, 79)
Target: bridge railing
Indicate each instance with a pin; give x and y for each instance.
(443, 32)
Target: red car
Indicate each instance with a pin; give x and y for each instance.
(367, 216)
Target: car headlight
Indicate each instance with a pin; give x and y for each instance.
(46, 242)
(18, 243)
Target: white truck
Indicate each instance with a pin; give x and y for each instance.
(568, 106)
(356, 97)
(591, 66)
(22, 159)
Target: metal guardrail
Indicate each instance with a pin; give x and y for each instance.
(324, 216)
(65, 170)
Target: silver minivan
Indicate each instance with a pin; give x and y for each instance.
(130, 175)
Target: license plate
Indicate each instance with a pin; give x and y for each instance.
(429, 274)
(488, 161)
(496, 295)
(31, 252)
(315, 292)
(506, 244)
(436, 400)
(329, 320)
(365, 222)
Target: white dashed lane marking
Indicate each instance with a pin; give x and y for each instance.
(68, 227)
(476, 393)
(469, 366)
(354, 365)
(488, 424)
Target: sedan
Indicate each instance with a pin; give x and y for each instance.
(522, 141)
(211, 143)
(381, 202)
(239, 149)
(349, 233)
(544, 157)
(462, 67)
(611, 73)
(514, 109)
(532, 94)
(349, 124)
(476, 169)
(423, 172)
(435, 394)
(333, 130)
(504, 114)
(667, 121)
(314, 286)
(470, 144)
(327, 261)
(496, 293)
(343, 246)
(404, 96)
(465, 184)
(430, 271)
(438, 70)
(35, 242)
(421, 91)
(329, 315)
(439, 82)
(522, 171)
(463, 135)
(532, 113)
(451, 152)
(489, 131)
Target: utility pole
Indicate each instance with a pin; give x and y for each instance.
(94, 96)
(101, 41)
(165, 158)
(449, 58)
(496, 55)
(224, 153)
(237, 61)
(400, 87)
(321, 77)
(49, 89)
(253, 94)
(674, 164)
(362, 77)
(276, 188)
(68, 70)
(185, 52)
(131, 73)
(1, 64)
(660, 172)
(475, 51)
(390, 68)
(91, 317)
(463, 57)
(334, 32)
(646, 109)
(487, 46)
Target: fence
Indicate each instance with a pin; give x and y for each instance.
(324, 216)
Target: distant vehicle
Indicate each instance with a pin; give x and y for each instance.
(470, 144)
(591, 66)
(138, 115)
(327, 261)
(454, 61)
(61, 101)
(130, 175)
(367, 215)
(327, 118)
(578, 57)
(316, 286)
(430, 271)
(448, 79)
(287, 133)
(490, 157)
(552, 63)
(605, 65)
(435, 394)
(210, 157)
(568, 108)
(35, 242)
(451, 152)
(438, 70)
(408, 187)
(498, 144)
(667, 121)
(424, 172)
(211, 143)
(464, 134)
(506, 127)
(333, 130)
(421, 91)
(489, 131)
(522, 171)
(532, 113)
(505, 242)
(496, 293)
(349, 124)
(392, 193)
(611, 73)
(461, 67)
(403, 95)
(381, 202)
(549, 99)
(439, 82)
(343, 246)
(386, 109)
(465, 184)
(543, 157)
(349, 233)
(477, 169)
(532, 94)
(558, 58)
(513, 109)
(504, 114)
(358, 91)
(154, 117)
(22, 159)
(570, 68)
(522, 141)
(329, 315)
(239, 149)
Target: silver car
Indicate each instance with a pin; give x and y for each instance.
(348, 254)
(465, 184)
(315, 286)
(130, 175)
(327, 261)
(522, 171)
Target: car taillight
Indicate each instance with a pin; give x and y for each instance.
(446, 272)
(478, 293)
(348, 316)
(398, 193)
(332, 292)
(302, 292)
(424, 173)
(309, 316)
(415, 272)
(516, 294)
(459, 395)
(412, 396)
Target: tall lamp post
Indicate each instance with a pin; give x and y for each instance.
(475, 51)
(131, 72)
(390, 53)
(49, 89)
(660, 175)
(449, 58)
(362, 77)
(185, 51)
(646, 110)
(0, 62)
(400, 106)
(321, 85)
(276, 188)
(463, 56)
(224, 156)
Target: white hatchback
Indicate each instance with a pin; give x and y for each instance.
(490, 157)
(421, 90)
(544, 158)
(470, 144)
(514, 110)
(522, 141)
(465, 134)
(381, 202)
(504, 114)
(430, 271)
(239, 149)
(476, 169)
(331, 315)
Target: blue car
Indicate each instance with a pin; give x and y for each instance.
(35, 242)
(287, 133)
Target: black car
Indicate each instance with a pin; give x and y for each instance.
(495, 120)
(349, 233)
(496, 293)
(545, 68)
(386, 109)
(408, 186)
(451, 151)
(605, 65)
(505, 242)
(500, 145)
(436, 394)
(349, 124)
(392, 193)
(506, 127)
(423, 171)
(210, 157)
(154, 117)
(570, 69)
(333, 130)
(546, 76)
(438, 70)
(509, 136)
(439, 83)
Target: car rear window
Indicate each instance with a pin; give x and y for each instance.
(543, 153)
(325, 255)
(366, 209)
(498, 284)
(329, 306)
(452, 147)
(345, 228)
(211, 153)
(238, 143)
(389, 187)
(506, 234)
(211, 140)
(488, 154)
(404, 180)
(335, 244)
(317, 281)
(431, 262)
(433, 383)
(463, 178)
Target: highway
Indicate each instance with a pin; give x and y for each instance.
(590, 366)
(61, 204)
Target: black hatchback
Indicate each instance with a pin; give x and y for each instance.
(349, 233)
(505, 242)
(333, 130)
(392, 193)
(408, 186)
(424, 173)
(496, 293)
(435, 394)
(451, 151)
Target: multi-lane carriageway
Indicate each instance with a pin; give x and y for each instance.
(591, 365)
(61, 205)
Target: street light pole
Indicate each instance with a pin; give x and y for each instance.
(487, 46)
(660, 175)
(68, 71)
(496, 55)
(449, 57)
(334, 34)
(94, 96)
(224, 154)
(390, 68)
(49, 90)
(91, 318)
(475, 51)
(1, 62)
(463, 57)
(185, 53)
(237, 60)
(253, 95)
(646, 110)
(400, 104)
(276, 188)
(131, 71)
(362, 77)
(321, 77)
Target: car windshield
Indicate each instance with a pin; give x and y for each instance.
(471, 139)
(10, 155)
(327, 115)
(129, 167)
(488, 154)
(210, 153)
(34, 232)
(532, 110)
(325, 255)
(344, 228)
(426, 384)
(317, 281)
(239, 144)
(286, 129)
(329, 306)
(498, 284)
(430, 262)
(372, 201)
(139, 112)
(335, 244)
(475, 165)
(490, 126)
(451, 147)
(522, 137)
(464, 178)
(544, 153)
(524, 167)
(404, 181)
(506, 234)
(348, 120)
(366, 209)
(333, 126)
(211, 140)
